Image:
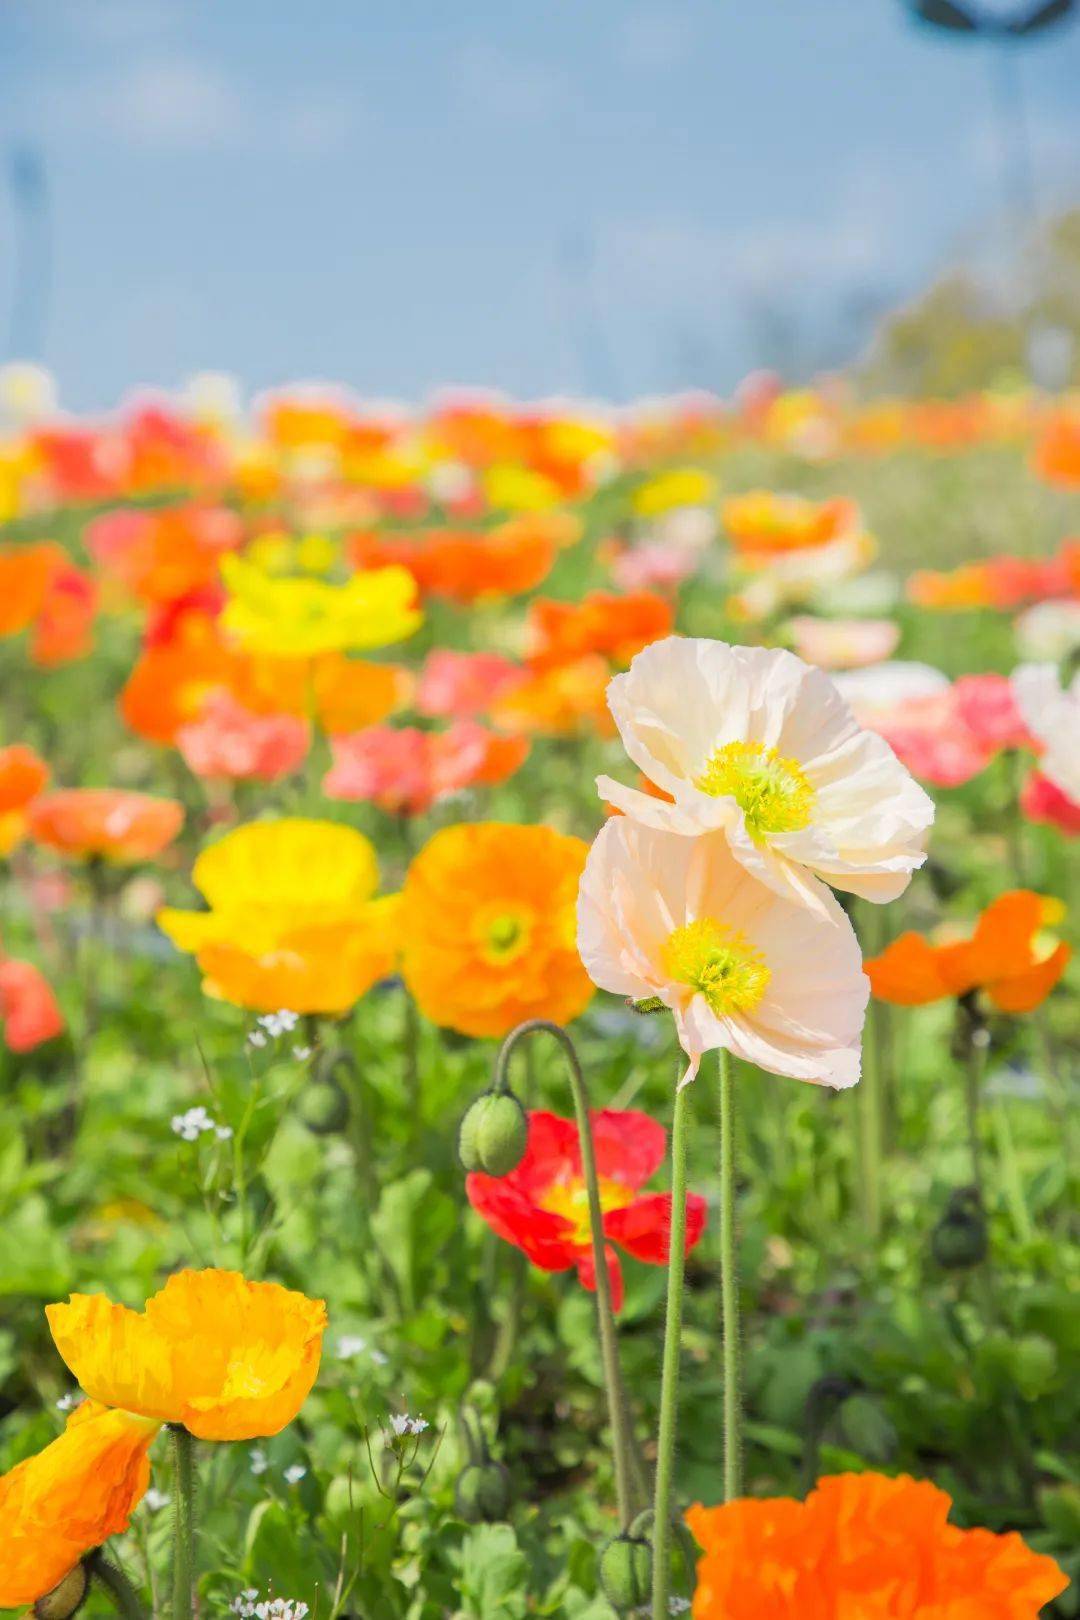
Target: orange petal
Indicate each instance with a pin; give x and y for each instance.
(908, 972)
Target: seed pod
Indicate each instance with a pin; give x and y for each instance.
(493, 1134)
(324, 1107)
(625, 1571)
(960, 1238)
(65, 1599)
(482, 1492)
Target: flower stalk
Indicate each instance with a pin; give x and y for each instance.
(184, 1523)
(729, 1287)
(112, 1578)
(669, 1378)
(627, 1475)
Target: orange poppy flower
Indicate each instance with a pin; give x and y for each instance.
(1005, 957)
(105, 821)
(69, 1498)
(1057, 452)
(488, 924)
(168, 684)
(350, 693)
(23, 774)
(761, 521)
(603, 622)
(468, 565)
(63, 629)
(25, 575)
(866, 1546)
(29, 1012)
(167, 553)
(558, 702)
(226, 1358)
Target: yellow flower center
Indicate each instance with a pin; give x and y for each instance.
(570, 1199)
(772, 793)
(719, 963)
(504, 936)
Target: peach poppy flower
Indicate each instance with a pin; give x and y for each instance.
(109, 822)
(405, 771)
(229, 743)
(615, 627)
(461, 685)
(843, 643)
(680, 921)
(866, 1546)
(754, 743)
(29, 1011)
(226, 1358)
(68, 1499)
(1008, 956)
(26, 573)
(488, 927)
(293, 921)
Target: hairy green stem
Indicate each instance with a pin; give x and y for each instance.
(112, 1578)
(621, 1438)
(729, 1287)
(184, 1523)
(669, 1377)
(869, 1105)
(973, 1078)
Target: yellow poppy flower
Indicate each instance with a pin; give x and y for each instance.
(300, 618)
(293, 921)
(226, 1358)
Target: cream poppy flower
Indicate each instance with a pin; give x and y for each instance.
(752, 742)
(1052, 714)
(680, 921)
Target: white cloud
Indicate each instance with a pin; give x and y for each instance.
(176, 103)
(505, 88)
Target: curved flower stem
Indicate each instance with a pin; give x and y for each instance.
(184, 1523)
(621, 1439)
(729, 1287)
(116, 1583)
(669, 1377)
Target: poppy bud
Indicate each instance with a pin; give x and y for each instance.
(482, 1492)
(493, 1134)
(649, 1004)
(625, 1571)
(324, 1107)
(960, 1237)
(65, 1599)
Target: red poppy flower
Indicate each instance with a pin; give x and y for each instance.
(1043, 801)
(28, 1009)
(542, 1207)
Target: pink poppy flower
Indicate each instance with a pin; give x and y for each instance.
(843, 643)
(935, 742)
(460, 685)
(227, 741)
(987, 705)
(405, 771)
(1043, 801)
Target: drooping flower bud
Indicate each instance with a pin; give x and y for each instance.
(625, 1571)
(482, 1492)
(960, 1238)
(324, 1107)
(493, 1134)
(65, 1599)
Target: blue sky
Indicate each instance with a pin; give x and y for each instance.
(545, 196)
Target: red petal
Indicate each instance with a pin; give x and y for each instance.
(587, 1273)
(514, 1217)
(643, 1228)
(630, 1146)
(551, 1154)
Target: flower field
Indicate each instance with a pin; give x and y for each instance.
(538, 1038)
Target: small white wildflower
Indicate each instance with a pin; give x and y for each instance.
(257, 1038)
(379, 1359)
(155, 1500)
(294, 1473)
(190, 1126)
(259, 1461)
(350, 1345)
(402, 1424)
(68, 1402)
(301, 1053)
(279, 1023)
(249, 1606)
